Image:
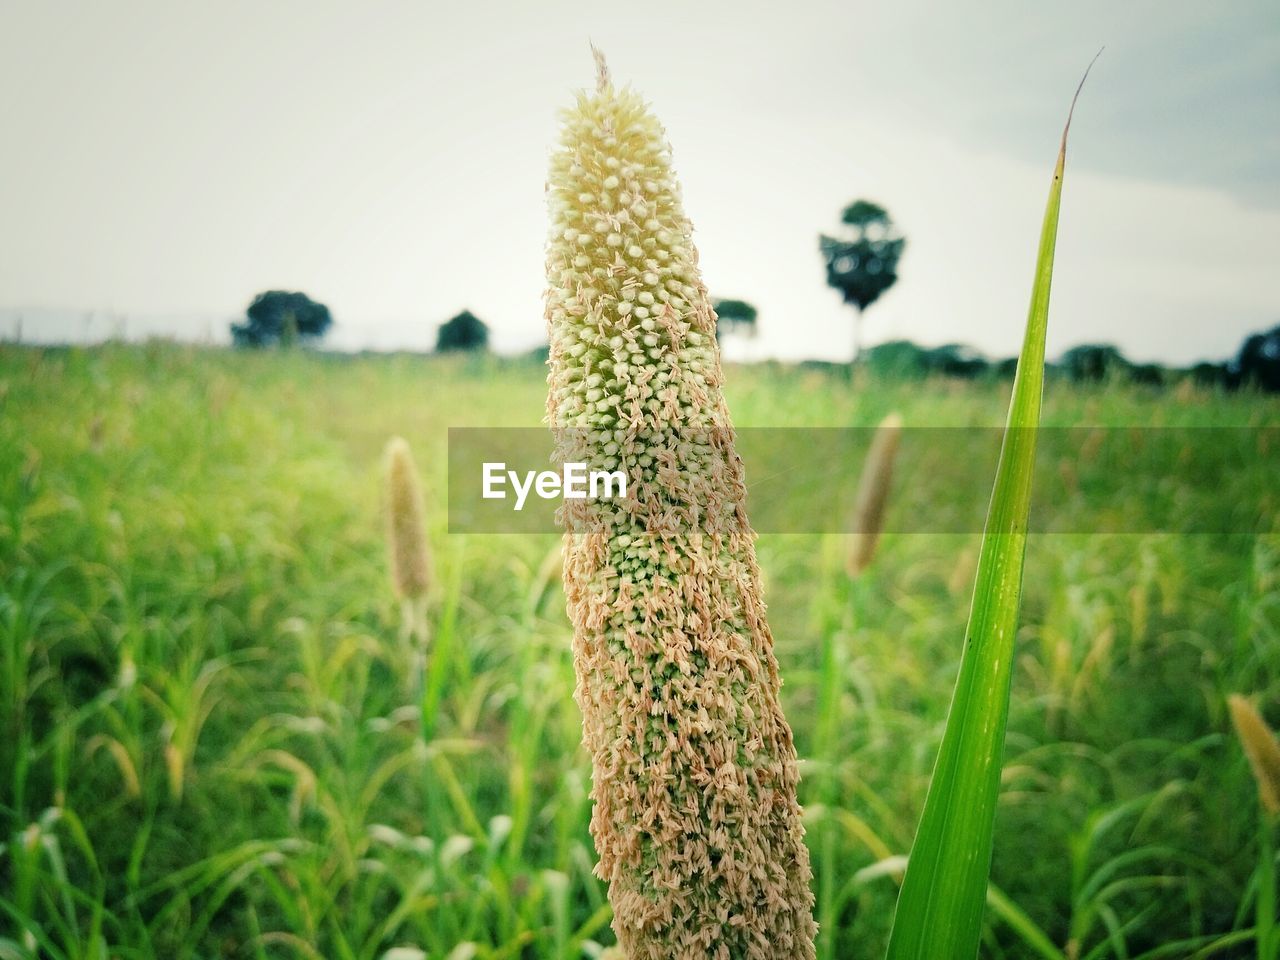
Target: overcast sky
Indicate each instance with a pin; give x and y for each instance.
(171, 160)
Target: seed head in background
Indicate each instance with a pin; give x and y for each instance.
(1262, 749)
(873, 494)
(409, 554)
(695, 817)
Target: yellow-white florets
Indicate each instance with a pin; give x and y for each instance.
(694, 771)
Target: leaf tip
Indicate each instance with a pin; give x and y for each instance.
(1062, 152)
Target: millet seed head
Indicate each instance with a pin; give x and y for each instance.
(695, 816)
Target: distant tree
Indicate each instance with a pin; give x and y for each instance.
(1147, 374)
(902, 359)
(735, 316)
(283, 318)
(1210, 374)
(863, 264)
(1092, 362)
(897, 360)
(1258, 363)
(464, 332)
(956, 360)
(1005, 368)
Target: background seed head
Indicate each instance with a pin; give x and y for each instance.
(873, 494)
(1262, 749)
(406, 534)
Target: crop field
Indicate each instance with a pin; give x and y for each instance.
(214, 741)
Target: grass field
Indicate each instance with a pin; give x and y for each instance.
(210, 744)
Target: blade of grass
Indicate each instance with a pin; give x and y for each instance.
(1026, 928)
(939, 913)
(1268, 936)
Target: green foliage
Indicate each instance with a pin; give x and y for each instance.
(902, 358)
(1093, 362)
(1207, 374)
(278, 317)
(193, 582)
(464, 332)
(956, 360)
(897, 359)
(1098, 362)
(1147, 374)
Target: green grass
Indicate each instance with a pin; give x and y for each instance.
(208, 747)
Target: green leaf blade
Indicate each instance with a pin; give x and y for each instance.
(940, 907)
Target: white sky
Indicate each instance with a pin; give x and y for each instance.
(170, 160)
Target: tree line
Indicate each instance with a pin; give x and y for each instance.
(861, 262)
(1256, 364)
(280, 318)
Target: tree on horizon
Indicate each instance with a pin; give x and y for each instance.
(465, 331)
(1258, 362)
(862, 264)
(735, 316)
(281, 318)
